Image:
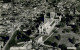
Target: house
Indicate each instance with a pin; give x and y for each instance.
(71, 48)
(49, 23)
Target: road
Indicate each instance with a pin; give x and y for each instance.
(13, 32)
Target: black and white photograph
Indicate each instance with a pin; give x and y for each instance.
(39, 24)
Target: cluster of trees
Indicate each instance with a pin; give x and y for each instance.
(4, 38)
(63, 47)
(66, 30)
(23, 26)
(77, 46)
(55, 44)
(6, 1)
(28, 32)
(31, 3)
(75, 29)
(53, 2)
(26, 4)
(62, 22)
(22, 37)
(41, 18)
(12, 42)
(69, 17)
(47, 42)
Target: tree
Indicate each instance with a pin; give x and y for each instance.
(73, 40)
(62, 24)
(77, 45)
(63, 47)
(47, 42)
(48, 14)
(58, 37)
(75, 29)
(54, 44)
(28, 32)
(63, 31)
(67, 30)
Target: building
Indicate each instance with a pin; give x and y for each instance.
(56, 48)
(6, 6)
(39, 39)
(49, 23)
(18, 48)
(45, 47)
(71, 48)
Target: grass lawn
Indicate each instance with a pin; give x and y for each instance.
(64, 37)
(45, 37)
(52, 38)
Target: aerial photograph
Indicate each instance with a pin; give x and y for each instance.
(39, 24)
